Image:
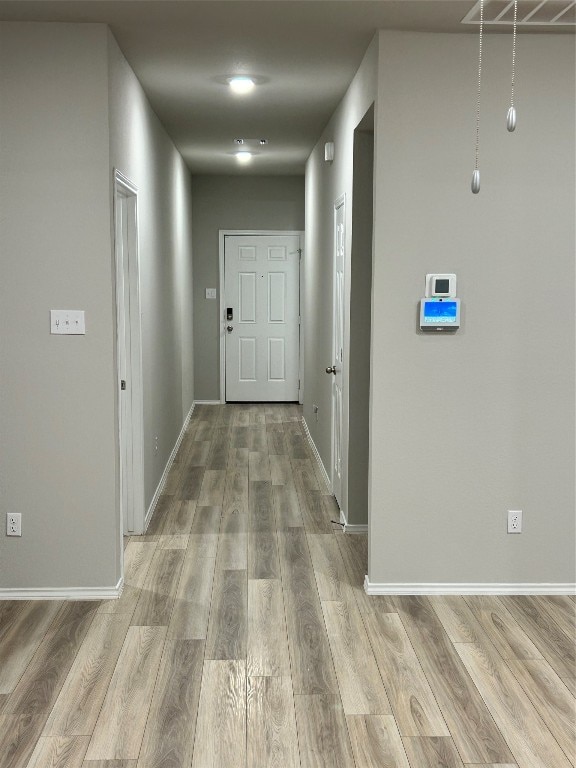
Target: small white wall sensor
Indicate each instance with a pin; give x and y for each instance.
(441, 286)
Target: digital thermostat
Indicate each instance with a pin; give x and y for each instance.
(439, 314)
(441, 286)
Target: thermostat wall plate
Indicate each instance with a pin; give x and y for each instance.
(440, 285)
(439, 314)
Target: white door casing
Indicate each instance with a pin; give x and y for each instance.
(128, 357)
(262, 340)
(339, 300)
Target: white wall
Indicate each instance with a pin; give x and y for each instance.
(466, 426)
(141, 149)
(325, 183)
(231, 202)
(57, 423)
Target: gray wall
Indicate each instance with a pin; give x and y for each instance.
(57, 421)
(325, 183)
(142, 150)
(464, 427)
(231, 202)
(70, 111)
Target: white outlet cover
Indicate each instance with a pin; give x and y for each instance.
(14, 524)
(514, 521)
(210, 293)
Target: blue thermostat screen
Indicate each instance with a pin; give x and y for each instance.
(440, 311)
(439, 314)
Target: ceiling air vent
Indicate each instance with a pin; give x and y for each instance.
(542, 13)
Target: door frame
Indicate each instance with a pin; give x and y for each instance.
(222, 235)
(341, 202)
(130, 436)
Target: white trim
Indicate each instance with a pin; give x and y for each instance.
(352, 527)
(317, 456)
(167, 468)
(122, 185)
(302, 274)
(64, 593)
(341, 202)
(468, 589)
(222, 235)
(221, 309)
(207, 402)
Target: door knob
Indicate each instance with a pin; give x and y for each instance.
(229, 328)
(331, 369)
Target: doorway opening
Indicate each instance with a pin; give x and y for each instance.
(129, 356)
(360, 323)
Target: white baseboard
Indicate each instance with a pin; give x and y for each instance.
(167, 468)
(316, 454)
(64, 593)
(372, 588)
(208, 402)
(351, 527)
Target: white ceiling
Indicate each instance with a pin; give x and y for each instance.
(306, 51)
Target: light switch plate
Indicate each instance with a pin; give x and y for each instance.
(210, 293)
(67, 322)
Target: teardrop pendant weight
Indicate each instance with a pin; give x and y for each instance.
(475, 186)
(511, 116)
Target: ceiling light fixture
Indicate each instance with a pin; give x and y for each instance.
(243, 157)
(241, 84)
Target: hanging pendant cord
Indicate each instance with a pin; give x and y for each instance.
(514, 52)
(511, 116)
(479, 84)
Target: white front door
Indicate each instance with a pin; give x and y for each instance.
(338, 349)
(261, 317)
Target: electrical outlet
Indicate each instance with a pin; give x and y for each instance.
(13, 524)
(155, 444)
(514, 521)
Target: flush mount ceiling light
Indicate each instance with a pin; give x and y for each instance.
(241, 84)
(247, 149)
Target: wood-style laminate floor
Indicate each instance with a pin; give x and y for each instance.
(244, 639)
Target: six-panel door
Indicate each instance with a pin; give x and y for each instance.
(262, 295)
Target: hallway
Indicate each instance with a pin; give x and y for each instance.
(244, 639)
